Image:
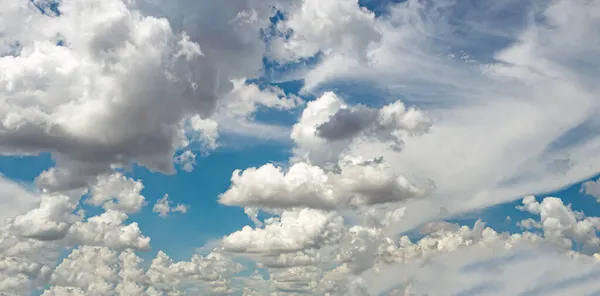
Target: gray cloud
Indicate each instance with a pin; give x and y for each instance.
(347, 123)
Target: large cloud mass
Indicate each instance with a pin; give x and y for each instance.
(411, 112)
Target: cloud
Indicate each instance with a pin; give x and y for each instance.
(103, 91)
(124, 84)
(50, 221)
(97, 270)
(497, 89)
(492, 271)
(562, 225)
(163, 207)
(328, 127)
(484, 103)
(15, 199)
(126, 192)
(294, 230)
(357, 183)
(338, 27)
(187, 160)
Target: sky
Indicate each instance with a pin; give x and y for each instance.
(299, 147)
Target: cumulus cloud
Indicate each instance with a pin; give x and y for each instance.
(122, 86)
(334, 28)
(328, 127)
(163, 207)
(100, 270)
(116, 187)
(368, 261)
(108, 229)
(187, 160)
(358, 183)
(562, 225)
(51, 220)
(87, 85)
(294, 230)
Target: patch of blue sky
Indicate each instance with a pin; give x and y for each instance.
(361, 92)
(378, 7)
(24, 169)
(276, 71)
(277, 117)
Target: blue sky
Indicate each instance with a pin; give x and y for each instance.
(300, 144)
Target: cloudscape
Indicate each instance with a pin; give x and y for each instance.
(299, 147)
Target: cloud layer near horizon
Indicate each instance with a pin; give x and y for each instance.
(484, 104)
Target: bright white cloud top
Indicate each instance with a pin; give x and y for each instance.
(409, 113)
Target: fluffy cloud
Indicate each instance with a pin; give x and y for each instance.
(324, 132)
(121, 86)
(51, 220)
(125, 191)
(358, 183)
(294, 230)
(187, 159)
(562, 225)
(328, 126)
(26, 264)
(163, 207)
(115, 76)
(336, 28)
(99, 270)
(108, 229)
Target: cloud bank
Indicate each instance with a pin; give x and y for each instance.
(485, 103)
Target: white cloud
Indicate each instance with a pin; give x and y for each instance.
(336, 27)
(163, 207)
(492, 271)
(108, 229)
(187, 160)
(99, 270)
(125, 191)
(15, 199)
(110, 80)
(294, 230)
(358, 183)
(125, 81)
(51, 220)
(328, 126)
(208, 132)
(562, 225)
